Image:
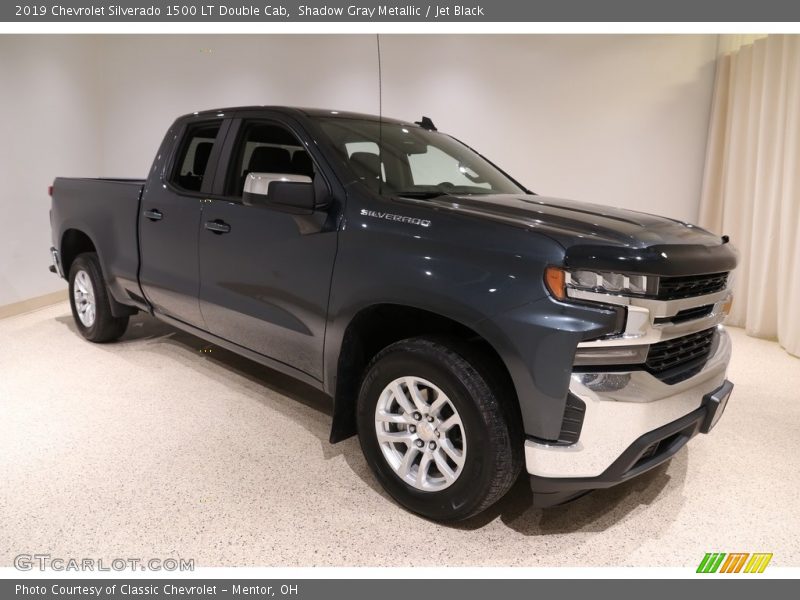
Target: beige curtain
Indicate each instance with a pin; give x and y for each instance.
(751, 187)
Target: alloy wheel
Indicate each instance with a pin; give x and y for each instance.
(420, 433)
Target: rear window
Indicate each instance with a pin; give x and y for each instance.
(193, 157)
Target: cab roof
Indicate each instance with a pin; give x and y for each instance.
(313, 113)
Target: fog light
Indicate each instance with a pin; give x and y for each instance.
(603, 382)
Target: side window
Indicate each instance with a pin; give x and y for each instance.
(190, 167)
(267, 148)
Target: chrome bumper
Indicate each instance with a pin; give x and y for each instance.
(56, 266)
(623, 405)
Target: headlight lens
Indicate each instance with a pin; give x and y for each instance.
(561, 281)
(610, 283)
(637, 284)
(611, 355)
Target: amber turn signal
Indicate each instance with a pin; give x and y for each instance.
(726, 308)
(555, 280)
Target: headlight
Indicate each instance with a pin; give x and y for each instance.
(611, 355)
(561, 281)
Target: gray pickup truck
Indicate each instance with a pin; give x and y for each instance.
(464, 327)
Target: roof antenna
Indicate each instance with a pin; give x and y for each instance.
(426, 123)
(380, 118)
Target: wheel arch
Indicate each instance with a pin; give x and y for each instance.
(73, 243)
(377, 326)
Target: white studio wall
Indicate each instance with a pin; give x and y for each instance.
(618, 120)
(174, 75)
(49, 99)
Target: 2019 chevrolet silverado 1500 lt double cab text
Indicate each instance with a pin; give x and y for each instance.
(465, 327)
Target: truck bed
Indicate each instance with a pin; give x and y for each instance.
(107, 211)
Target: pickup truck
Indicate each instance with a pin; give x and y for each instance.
(466, 328)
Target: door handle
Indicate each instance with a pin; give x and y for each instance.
(217, 226)
(154, 214)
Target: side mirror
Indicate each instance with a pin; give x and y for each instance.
(281, 191)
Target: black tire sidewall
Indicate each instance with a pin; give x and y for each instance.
(469, 490)
(105, 327)
(82, 263)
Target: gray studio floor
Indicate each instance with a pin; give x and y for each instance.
(156, 447)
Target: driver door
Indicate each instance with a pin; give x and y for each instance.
(265, 274)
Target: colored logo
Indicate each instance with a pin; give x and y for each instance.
(735, 562)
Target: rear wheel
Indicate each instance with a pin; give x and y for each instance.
(89, 300)
(434, 432)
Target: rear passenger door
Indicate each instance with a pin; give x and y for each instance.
(265, 274)
(169, 221)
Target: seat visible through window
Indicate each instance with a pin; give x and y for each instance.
(367, 167)
(301, 163)
(267, 159)
(267, 148)
(194, 156)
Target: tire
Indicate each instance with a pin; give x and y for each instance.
(487, 438)
(88, 294)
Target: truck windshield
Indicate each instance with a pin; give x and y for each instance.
(407, 160)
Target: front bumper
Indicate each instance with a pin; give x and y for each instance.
(646, 452)
(616, 419)
(633, 419)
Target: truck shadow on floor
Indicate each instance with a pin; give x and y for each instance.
(596, 511)
(312, 409)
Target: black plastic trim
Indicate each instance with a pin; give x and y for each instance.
(663, 260)
(714, 402)
(691, 286)
(687, 314)
(702, 344)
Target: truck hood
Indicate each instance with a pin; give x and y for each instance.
(592, 223)
(603, 237)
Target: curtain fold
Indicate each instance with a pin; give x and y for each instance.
(751, 183)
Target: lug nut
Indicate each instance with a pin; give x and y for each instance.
(419, 443)
(432, 445)
(430, 419)
(436, 433)
(417, 416)
(412, 429)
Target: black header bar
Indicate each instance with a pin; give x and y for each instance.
(442, 11)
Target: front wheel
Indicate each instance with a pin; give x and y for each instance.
(89, 300)
(434, 432)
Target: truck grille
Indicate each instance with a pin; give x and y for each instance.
(672, 288)
(678, 359)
